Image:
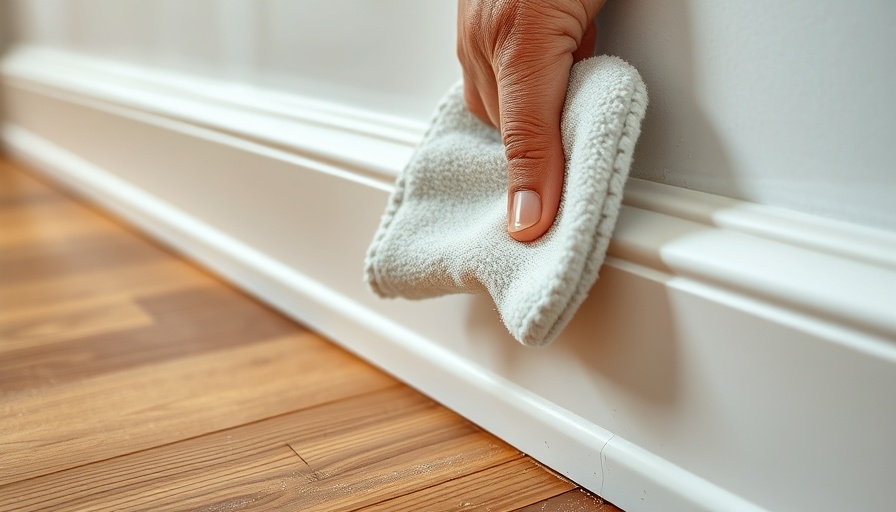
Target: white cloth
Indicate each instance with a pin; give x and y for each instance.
(444, 227)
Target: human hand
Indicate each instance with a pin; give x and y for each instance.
(516, 57)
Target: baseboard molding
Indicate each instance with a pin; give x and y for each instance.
(702, 374)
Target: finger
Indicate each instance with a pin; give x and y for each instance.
(586, 47)
(588, 43)
(487, 86)
(474, 101)
(476, 74)
(531, 98)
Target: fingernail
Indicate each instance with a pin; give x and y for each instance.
(526, 210)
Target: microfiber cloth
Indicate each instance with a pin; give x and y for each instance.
(444, 227)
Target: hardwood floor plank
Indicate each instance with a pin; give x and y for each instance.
(66, 426)
(48, 222)
(181, 465)
(184, 323)
(189, 478)
(576, 500)
(19, 264)
(30, 328)
(406, 473)
(17, 187)
(336, 447)
(501, 488)
(251, 466)
(123, 282)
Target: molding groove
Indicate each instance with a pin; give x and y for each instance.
(790, 275)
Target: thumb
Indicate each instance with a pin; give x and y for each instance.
(531, 95)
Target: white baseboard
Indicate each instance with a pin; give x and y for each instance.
(731, 357)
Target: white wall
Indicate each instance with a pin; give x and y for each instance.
(392, 56)
(779, 103)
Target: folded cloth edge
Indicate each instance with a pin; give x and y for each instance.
(371, 275)
(594, 259)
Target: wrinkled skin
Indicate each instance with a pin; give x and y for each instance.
(516, 57)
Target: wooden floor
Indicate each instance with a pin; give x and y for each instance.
(132, 380)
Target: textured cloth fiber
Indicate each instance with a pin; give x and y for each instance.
(444, 227)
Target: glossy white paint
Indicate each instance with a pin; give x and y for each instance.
(732, 356)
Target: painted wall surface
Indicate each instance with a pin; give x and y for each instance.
(780, 103)
(389, 56)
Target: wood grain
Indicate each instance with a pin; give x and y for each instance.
(110, 415)
(149, 278)
(73, 255)
(30, 328)
(184, 323)
(500, 488)
(48, 221)
(133, 380)
(366, 448)
(576, 500)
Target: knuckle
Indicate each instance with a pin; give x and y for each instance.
(532, 153)
(524, 141)
(525, 174)
(523, 134)
(490, 23)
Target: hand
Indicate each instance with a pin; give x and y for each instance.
(516, 56)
